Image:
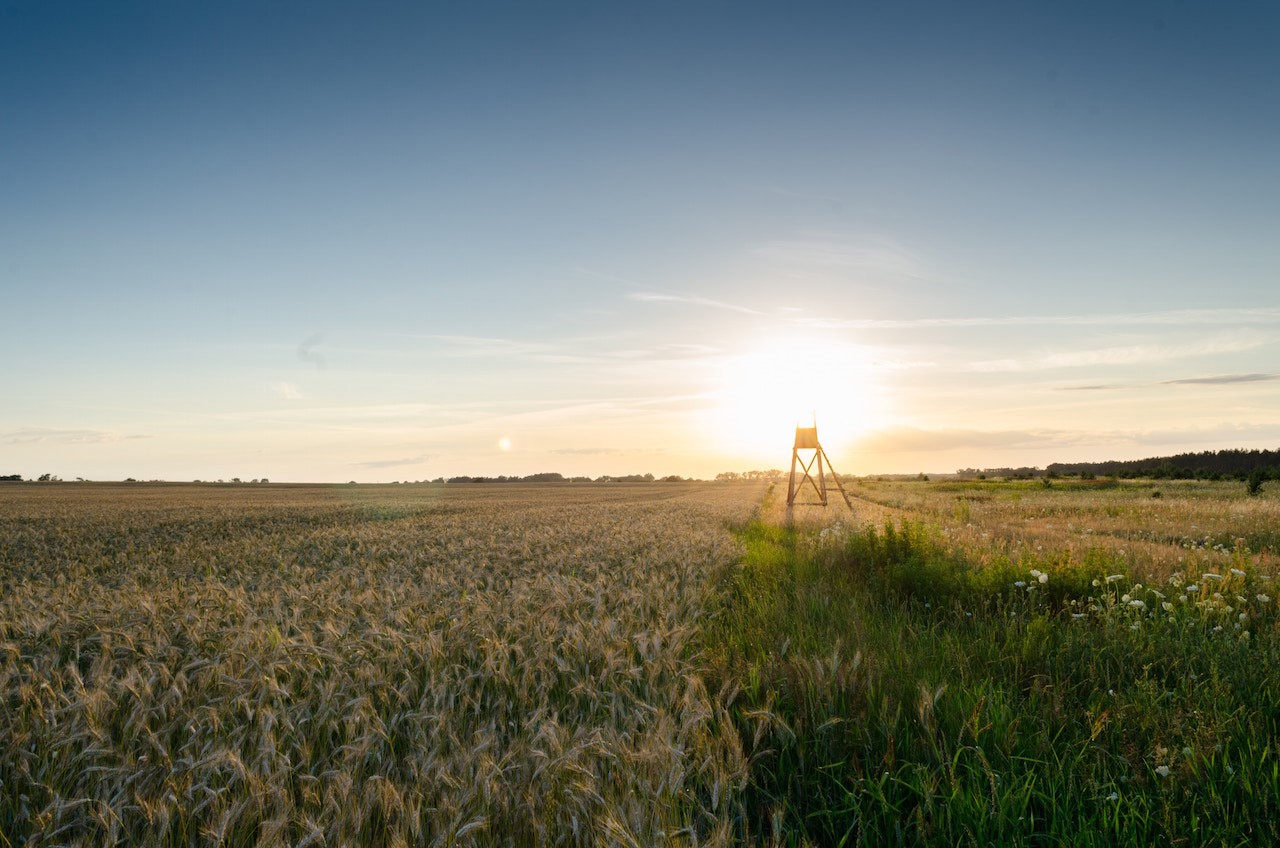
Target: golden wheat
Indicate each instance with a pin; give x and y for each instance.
(389, 665)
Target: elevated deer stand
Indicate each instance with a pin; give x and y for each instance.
(812, 471)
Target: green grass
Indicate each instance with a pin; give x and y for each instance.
(892, 693)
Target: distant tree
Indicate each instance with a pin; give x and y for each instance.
(1254, 483)
(235, 479)
(545, 477)
(265, 480)
(11, 478)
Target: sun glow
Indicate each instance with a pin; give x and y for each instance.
(763, 395)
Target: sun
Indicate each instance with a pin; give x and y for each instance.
(764, 393)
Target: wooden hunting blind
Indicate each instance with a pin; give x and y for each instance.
(812, 470)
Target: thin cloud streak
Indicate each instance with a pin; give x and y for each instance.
(1178, 317)
(37, 435)
(692, 300)
(1127, 354)
(916, 440)
(1223, 380)
(392, 463)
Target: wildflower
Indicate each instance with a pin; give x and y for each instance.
(1212, 576)
(1193, 588)
(1186, 752)
(1044, 578)
(1077, 615)
(1111, 578)
(1137, 587)
(1244, 616)
(1138, 603)
(1163, 771)
(1168, 607)
(1264, 599)
(1114, 796)
(1182, 598)
(1237, 572)
(1158, 594)
(1019, 583)
(1126, 598)
(1096, 582)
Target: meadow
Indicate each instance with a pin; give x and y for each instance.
(984, 662)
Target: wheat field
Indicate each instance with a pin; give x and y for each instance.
(412, 665)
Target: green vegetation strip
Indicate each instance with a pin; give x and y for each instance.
(891, 693)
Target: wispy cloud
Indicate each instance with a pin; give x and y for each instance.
(469, 346)
(603, 451)
(288, 391)
(988, 443)
(1099, 387)
(1179, 317)
(1129, 354)
(307, 352)
(391, 463)
(1223, 380)
(35, 435)
(692, 300)
(919, 440)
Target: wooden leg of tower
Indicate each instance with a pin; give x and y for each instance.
(791, 485)
(839, 484)
(822, 478)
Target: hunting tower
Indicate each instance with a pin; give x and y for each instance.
(812, 470)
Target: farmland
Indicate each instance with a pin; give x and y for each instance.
(1084, 662)
(382, 665)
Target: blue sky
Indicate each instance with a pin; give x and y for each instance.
(318, 241)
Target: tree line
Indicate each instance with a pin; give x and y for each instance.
(1230, 464)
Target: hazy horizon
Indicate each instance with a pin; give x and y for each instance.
(316, 242)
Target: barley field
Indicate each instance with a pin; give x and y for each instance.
(948, 663)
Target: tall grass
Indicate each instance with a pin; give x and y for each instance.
(899, 693)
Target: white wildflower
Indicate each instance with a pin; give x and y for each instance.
(1163, 771)
(1264, 599)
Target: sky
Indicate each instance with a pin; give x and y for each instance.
(315, 241)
